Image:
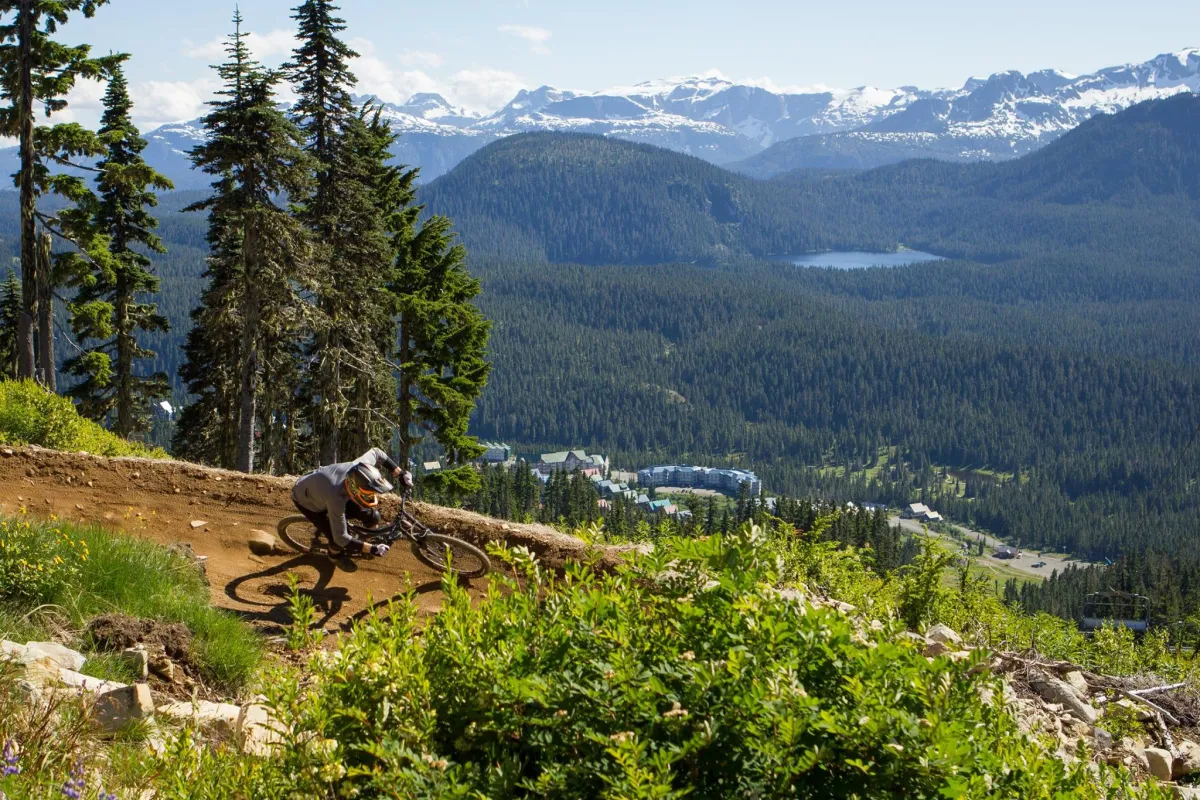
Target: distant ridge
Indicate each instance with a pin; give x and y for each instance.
(592, 199)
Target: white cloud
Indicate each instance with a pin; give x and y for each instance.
(159, 102)
(537, 37)
(377, 77)
(263, 46)
(484, 89)
(421, 58)
(85, 103)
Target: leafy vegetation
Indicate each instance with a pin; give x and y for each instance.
(29, 414)
(84, 572)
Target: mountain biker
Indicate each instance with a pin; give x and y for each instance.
(331, 494)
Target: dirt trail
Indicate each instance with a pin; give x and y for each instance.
(164, 500)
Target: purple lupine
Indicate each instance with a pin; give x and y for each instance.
(74, 786)
(10, 760)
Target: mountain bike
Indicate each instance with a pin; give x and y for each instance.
(434, 550)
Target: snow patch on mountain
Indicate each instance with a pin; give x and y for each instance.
(998, 116)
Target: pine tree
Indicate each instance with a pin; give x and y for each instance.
(350, 385)
(252, 310)
(443, 343)
(36, 70)
(321, 77)
(108, 305)
(10, 315)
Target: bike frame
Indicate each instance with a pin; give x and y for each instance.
(389, 534)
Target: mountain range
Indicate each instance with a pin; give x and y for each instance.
(760, 131)
(566, 197)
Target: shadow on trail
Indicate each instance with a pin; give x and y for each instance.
(268, 589)
(398, 598)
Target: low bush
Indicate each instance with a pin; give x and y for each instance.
(685, 673)
(31, 415)
(85, 571)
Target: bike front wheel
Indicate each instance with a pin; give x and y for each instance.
(301, 535)
(447, 553)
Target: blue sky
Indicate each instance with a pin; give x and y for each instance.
(479, 54)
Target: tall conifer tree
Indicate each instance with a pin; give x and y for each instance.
(442, 349)
(352, 255)
(35, 70)
(109, 305)
(252, 310)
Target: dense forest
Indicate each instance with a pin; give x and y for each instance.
(1053, 361)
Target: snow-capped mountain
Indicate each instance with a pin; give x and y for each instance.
(1003, 116)
(766, 131)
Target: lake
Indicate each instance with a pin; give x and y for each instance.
(856, 259)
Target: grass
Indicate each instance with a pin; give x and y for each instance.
(115, 572)
(31, 415)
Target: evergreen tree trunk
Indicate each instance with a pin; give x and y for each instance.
(328, 422)
(405, 416)
(244, 461)
(45, 306)
(125, 346)
(26, 361)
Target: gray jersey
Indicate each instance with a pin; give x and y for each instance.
(325, 491)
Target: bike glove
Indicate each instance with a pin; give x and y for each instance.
(379, 549)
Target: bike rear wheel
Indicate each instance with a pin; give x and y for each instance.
(445, 552)
(301, 535)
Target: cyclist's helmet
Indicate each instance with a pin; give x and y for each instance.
(364, 484)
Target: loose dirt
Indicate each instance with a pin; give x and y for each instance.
(214, 510)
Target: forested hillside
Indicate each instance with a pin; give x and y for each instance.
(1121, 181)
(588, 199)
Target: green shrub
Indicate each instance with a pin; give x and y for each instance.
(116, 572)
(31, 415)
(33, 564)
(684, 674)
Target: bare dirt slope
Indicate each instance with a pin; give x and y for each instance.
(214, 510)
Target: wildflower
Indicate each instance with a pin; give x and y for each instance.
(688, 656)
(74, 785)
(11, 757)
(676, 711)
(622, 737)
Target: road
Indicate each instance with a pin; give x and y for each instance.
(1023, 565)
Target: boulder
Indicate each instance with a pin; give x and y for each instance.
(944, 634)
(1075, 679)
(1054, 690)
(138, 660)
(1188, 761)
(934, 649)
(1143, 713)
(262, 543)
(185, 551)
(257, 730)
(1160, 762)
(220, 717)
(1102, 739)
(45, 674)
(119, 708)
(51, 653)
